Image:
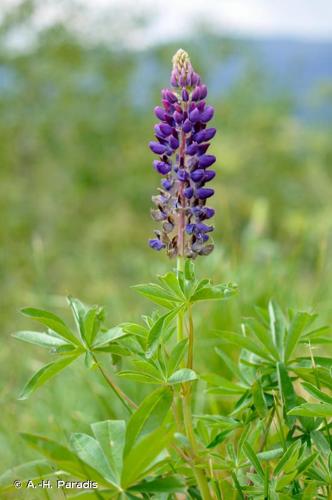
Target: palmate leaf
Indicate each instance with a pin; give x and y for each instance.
(312, 410)
(35, 470)
(157, 331)
(277, 323)
(109, 336)
(176, 356)
(171, 282)
(214, 292)
(142, 455)
(42, 339)
(317, 393)
(159, 485)
(90, 452)
(287, 392)
(52, 321)
(252, 457)
(150, 415)
(182, 375)
(63, 458)
(79, 311)
(158, 294)
(46, 373)
(263, 335)
(296, 329)
(111, 435)
(243, 342)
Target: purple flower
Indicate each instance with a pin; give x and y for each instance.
(207, 114)
(203, 193)
(206, 160)
(157, 148)
(156, 244)
(162, 167)
(182, 142)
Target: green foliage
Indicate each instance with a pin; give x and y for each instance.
(283, 442)
(70, 217)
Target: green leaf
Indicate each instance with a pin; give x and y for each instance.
(214, 292)
(40, 338)
(110, 336)
(65, 459)
(277, 325)
(149, 415)
(219, 438)
(143, 454)
(139, 377)
(288, 459)
(92, 321)
(135, 329)
(182, 375)
(263, 335)
(252, 457)
(52, 321)
(259, 398)
(171, 281)
(157, 294)
(46, 373)
(316, 393)
(243, 342)
(287, 391)
(91, 453)
(270, 454)
(159, 485)
(111, 435)
(223, 385)
(285, 480)
(176, 356)
(79, 311)
(34, 470)
(302, 467)
(157, 330)
(297, 326)
(312, 410)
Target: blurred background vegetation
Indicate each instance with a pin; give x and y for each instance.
(76, 179)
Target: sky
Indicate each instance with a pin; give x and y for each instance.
(306, 19)
(171, 19)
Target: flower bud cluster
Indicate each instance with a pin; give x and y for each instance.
(182, 141)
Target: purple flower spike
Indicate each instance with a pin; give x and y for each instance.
(182, 142)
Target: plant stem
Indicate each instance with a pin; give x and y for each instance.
(186, 400)
(282, 435)
(267, 429)
(125, 400)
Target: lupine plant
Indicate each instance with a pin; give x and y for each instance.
(273, 440)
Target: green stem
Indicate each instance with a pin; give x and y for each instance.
(281, 430)
(125, 400)
(187, 397)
